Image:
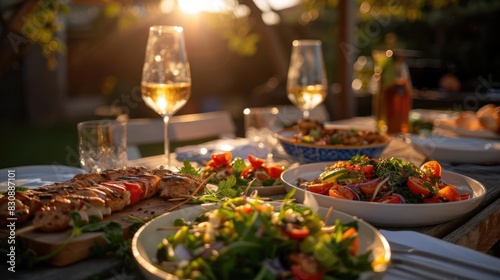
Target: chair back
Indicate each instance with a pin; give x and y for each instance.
(142, 131)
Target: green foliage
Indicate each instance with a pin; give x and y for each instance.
(41, 26)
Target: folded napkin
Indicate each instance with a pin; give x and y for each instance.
(239, 147)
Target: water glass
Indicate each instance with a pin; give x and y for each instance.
(261, 125)
(102, 145)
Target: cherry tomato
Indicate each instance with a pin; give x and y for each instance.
(448, 193)
(247, 172)
(419, 186)
(432, 200)
(339, 191)
(369, 189)
(245, 208)
(432, 170)
(261, 175)
(275, 171)
(296, 232)
(305, 267)
(319, 188)
(255, 161)
(219, 159)
(389, 199)
(368, 170)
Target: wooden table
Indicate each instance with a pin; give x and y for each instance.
(478, 230)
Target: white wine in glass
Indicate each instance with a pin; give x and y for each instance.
(166, 76)
(306, 83)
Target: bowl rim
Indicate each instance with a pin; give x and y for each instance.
(287, 140)
(149, 268)
(480, 197)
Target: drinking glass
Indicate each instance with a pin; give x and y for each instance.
(261, 125)
(306, 83)
(166, 76)
(102, 145)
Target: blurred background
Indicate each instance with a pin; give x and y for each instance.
(64, 61)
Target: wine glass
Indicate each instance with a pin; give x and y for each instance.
(166, 77)
(306, 84)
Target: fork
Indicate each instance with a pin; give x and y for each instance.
(399, 252)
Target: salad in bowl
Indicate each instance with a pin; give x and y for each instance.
(247, 238)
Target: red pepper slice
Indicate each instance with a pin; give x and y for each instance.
(221, 158)
(255, 161)
(135, 192)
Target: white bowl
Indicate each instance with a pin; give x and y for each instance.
(388, 214)
(146, 239)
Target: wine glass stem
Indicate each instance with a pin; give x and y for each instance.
(306, 114)
(166, 120)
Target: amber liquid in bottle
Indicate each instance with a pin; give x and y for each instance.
(392, 108)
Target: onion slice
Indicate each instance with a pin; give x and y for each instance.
(402, 200)
(355, 195)
(378, 188)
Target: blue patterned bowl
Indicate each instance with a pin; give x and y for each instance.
(310, 153)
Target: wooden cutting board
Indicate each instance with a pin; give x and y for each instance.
(78, 249)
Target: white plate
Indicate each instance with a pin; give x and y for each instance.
(458, 150)
(268, 190)
(33, 176)
(146, 239)
(445, 129)
(239, 147)
(387, 214)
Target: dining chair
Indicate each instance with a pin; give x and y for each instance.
(189, 127)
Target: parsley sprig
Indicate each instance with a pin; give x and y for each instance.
(226, 189)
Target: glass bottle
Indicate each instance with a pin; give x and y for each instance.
(392, 92)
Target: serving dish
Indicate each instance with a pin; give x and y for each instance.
(310, 153)
(239, 147)
(146, 239)
(387, 214)
(458, 150)
(447, 129)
